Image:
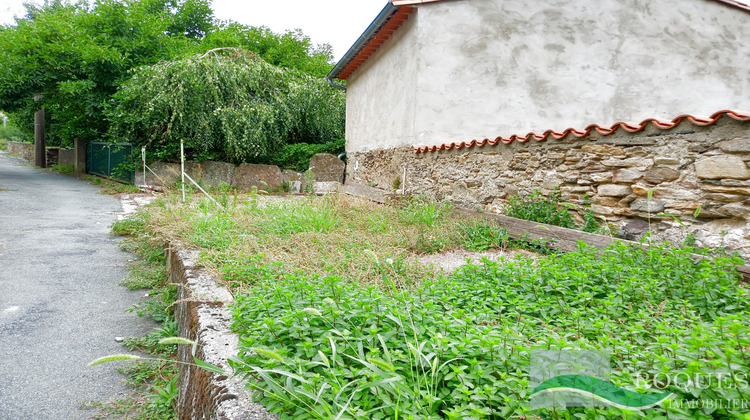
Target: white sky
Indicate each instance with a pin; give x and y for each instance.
(338, 23)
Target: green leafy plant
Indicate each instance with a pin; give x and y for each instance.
(590, 222)
(538, 208)
(9, 132)
(458, 347)
(483, 236)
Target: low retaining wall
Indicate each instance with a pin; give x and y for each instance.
(66, 157)
(203, 316)
(55, 155)
(324, 167)
(686, 168)
(25, 150)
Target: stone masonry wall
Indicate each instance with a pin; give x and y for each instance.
(687, 168)
(25, 150)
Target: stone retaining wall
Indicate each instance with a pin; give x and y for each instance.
(202, 314)
(686, 168)
(55, 155)
(323, 167)
(25, 150)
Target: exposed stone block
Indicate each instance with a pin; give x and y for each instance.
(202, 314)
(263, 177)
(724, 198)
(602, 210)
(606, 201)
(603, 149)
(168, 174)
(664, 160)
(326, 167)
(661, 174)
(683, 205)
(627, 200)
(626, 176)
(329, 187)
(741, 145)
(593, 169)
(722, 166)
(627, 163)
(634, 229)
(217, 173)
(289, 176)
(741, 210)
(614, 190)
(676, 193)
(648, 206)
(735, 183)
(725, 190)
(66, 157)
(601, 177)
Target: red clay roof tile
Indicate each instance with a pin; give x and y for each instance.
(605, 131)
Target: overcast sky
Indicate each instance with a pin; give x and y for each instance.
(338, 23)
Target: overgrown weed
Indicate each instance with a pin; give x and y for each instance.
(458, 347)
(335, 317)
(538, 208)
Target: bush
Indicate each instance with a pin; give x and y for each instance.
(297, 156)
(12, 133)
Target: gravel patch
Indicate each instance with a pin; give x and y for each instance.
(452, 260)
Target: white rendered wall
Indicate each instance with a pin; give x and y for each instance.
(503, 67)
(381, 95)
(475, 69)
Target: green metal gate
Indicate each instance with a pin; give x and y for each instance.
(105, 159)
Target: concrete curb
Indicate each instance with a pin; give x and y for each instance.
(202, 315)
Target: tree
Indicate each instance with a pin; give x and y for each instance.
(226, 105)
(78, 55)
(292, 49)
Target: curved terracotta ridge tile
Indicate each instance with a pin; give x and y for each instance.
(605, 131)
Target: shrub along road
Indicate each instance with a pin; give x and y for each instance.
(60, 303)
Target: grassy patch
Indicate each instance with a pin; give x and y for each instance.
(63, 169)
(318, 236)
(109, 186)
(336, 317)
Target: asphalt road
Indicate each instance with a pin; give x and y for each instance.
(61, 305)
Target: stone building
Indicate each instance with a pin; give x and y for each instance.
(636, 104)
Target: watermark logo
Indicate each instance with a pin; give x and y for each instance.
(581, 379)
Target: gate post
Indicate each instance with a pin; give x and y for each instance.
(80, 155)
(40, 149)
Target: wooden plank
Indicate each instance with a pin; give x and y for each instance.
(562, 239)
